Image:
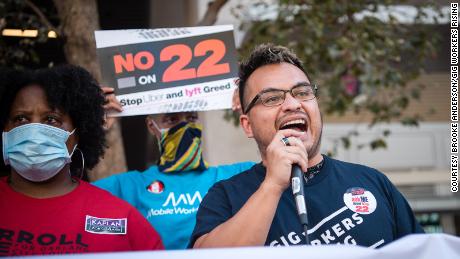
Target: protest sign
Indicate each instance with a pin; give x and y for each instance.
(169, 70)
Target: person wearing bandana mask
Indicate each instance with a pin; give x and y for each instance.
(168, 194)
(179, 140)
(52, 132)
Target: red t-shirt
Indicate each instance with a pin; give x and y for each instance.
(88, 219)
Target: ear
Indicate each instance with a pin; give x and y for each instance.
(246, 125)
(151, 127)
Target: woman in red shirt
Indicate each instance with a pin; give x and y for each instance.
(52, 123)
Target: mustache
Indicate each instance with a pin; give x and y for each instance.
(289, 114)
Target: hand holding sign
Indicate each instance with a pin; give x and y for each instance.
(111, 104)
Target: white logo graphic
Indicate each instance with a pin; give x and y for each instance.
(360, 200)
(174, 205)
(186, 199)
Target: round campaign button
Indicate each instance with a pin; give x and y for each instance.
(156, 187)
(360, 200)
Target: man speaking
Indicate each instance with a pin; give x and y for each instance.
(347, 203)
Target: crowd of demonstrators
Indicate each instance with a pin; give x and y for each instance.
(52, 122)
(348, 203)
(53, 132)
(168, 194)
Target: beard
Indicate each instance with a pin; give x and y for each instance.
(314, 149)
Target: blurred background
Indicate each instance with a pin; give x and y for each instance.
(383, 70)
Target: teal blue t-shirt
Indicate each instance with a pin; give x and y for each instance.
(169, 201)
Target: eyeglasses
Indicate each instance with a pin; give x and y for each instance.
(274, 97)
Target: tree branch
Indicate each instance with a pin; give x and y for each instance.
(41, 16)
(210, 17)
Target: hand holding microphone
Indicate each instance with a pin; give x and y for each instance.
(286, 160)
(298, 191)
(279, 158)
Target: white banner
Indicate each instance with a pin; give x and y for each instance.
(432, 246)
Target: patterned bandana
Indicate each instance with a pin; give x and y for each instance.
(180, 148)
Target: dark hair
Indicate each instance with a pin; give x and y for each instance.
(265, 54)
(70, 89)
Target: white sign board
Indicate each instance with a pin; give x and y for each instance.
(169, 70)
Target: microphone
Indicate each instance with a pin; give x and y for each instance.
(299, 196)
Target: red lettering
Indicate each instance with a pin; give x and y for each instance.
(142, 60)
(362, 208)
(143, 55)
(210, 66)
(127, 63)
(177, 71)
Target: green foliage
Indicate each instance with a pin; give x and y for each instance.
(378, 143)
(18, 52)
(335, 41)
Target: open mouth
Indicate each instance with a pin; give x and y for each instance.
(298, 124)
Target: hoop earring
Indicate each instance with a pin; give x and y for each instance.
(83, 163)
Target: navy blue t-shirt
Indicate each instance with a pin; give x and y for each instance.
(347, 203)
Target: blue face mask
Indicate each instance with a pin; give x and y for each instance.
(36, 151)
